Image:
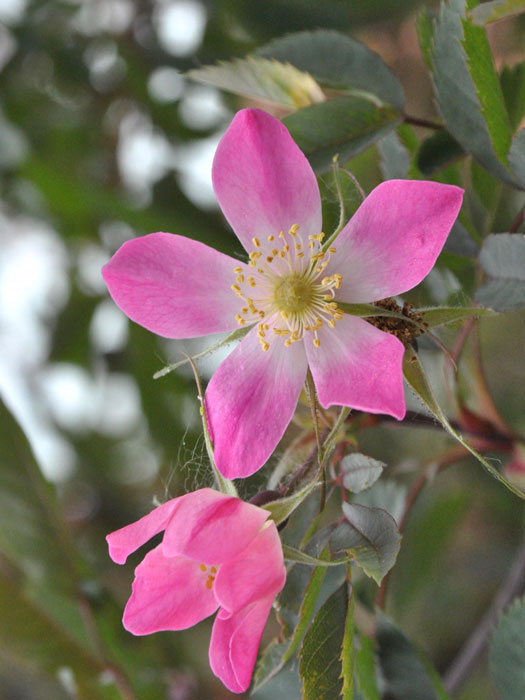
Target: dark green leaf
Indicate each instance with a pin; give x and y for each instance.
(344, 126)
(360, 472)
(326, 665)
(338, 61)
(503, 259)
(402, 666)
(30, 532)
(517, 157)
(507, 653)
(438, 151)
(416, 377)
(263, 79)
(371, 536)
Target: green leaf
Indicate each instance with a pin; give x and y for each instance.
(339, 62)
(416, 377)
(31, 534)
(394, 157)
(437, 152)
(386, 494)
(468, 90)
(441, 315)
(263, 79)
(234, 336)
(507, 653)
(496, 10)
(360, 472)
(404, 667)
(517, 157)
(365, 669)
(503, 259)
(513, 86)
(460, 241)
(279, 653)
(344, 126)
(371, 536)
(326, 660)
(282, 509)
(26, 633)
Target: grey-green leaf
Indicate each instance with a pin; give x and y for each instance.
(468, 90)
(326, 665)
(360, 472)
(344, 126)
(371, 536)
(496, 10)
(507, 653)
(503, 259)
(338, 61)
(281, 509)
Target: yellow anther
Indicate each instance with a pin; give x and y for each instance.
(331, 323)
(255, 255)
(237, 269)
(240, 279)
(281, 254)
(300, 255)
(287, 343)
(274, 251)
(271, 238)
(284, 315)
(269, 259)
(332, 250)
(236, 288)
(281, 331)
(262, 314)
(265, 346)
(213, 569)
(244, 310)
(240, 319)
(317, 342)
(209, 583)
(286, 248)
(293, 229)
(298, 246)
(256, 242)
(281, 234)
(202, 567)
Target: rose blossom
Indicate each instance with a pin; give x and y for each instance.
(217, 553)
(289, 289)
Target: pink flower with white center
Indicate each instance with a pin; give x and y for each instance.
(179, 288)
(217, 553)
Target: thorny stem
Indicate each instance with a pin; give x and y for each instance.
(312, 400)
(474, 647)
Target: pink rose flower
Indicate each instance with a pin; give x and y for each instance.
(217, 553)
(180, 288)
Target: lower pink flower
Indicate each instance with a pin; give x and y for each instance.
(217, 553)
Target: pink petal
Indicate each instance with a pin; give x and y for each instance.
(262, 181)
(358, 365)
(235, 642)
(169, 593)
(257, 572)
(126, 540)
(173, 286)
(250, 401)
(211, 527)
(392, 241)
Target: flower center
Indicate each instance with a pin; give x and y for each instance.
(293, 294)
(287, 294)
(211, 575)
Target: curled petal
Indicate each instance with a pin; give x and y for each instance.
(250, 401)
(392, 241)
(169, 593)
(211, 527)
(173, 286)
(234, 644)
(126, 540)
(360, 366)
(257, 572)
(262, 180)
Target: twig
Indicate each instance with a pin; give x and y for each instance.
(517, 221)
(417, 121)
(474, 647)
